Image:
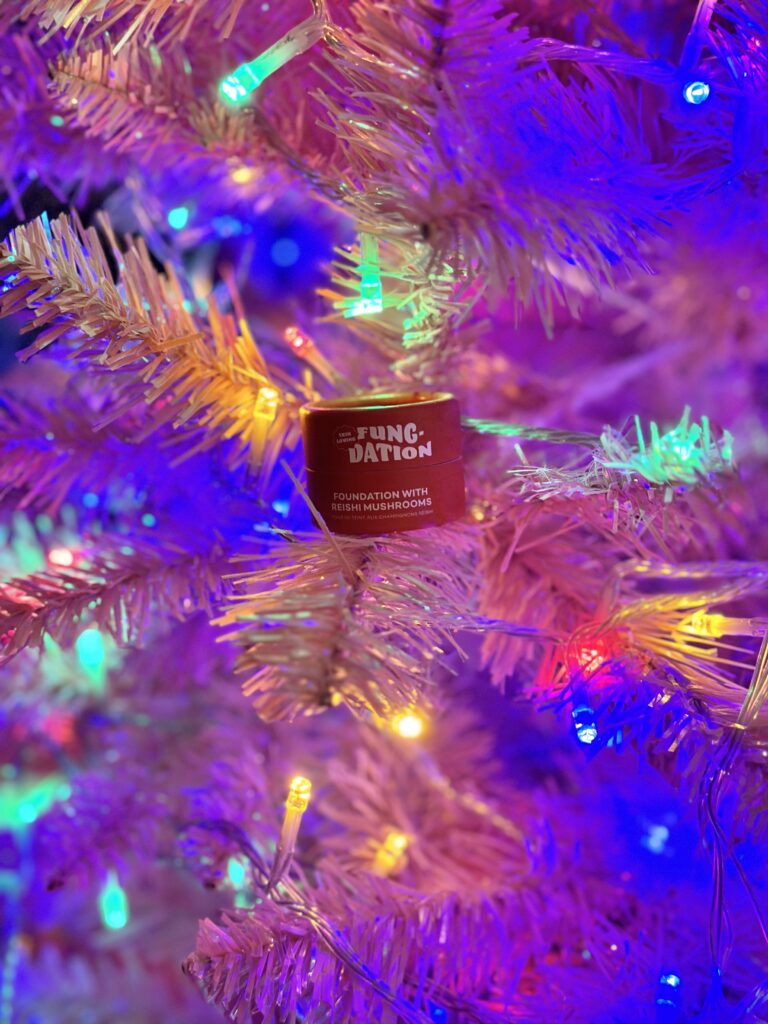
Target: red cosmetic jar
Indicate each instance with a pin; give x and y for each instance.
(384, 463)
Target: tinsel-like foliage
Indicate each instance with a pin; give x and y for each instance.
(478, 174)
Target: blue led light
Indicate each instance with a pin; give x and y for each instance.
(90, 500)
(284, 252)
(656, 840)
(584, 724)
(178, 217)
(696, 92)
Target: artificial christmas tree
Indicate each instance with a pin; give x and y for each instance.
(505, 763)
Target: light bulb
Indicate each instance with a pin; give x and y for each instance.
(299, 794)
(696, 92)
(410, 725)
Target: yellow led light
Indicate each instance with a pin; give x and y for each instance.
(299, 794)
(390, 855)
(706, 624)
(242, 175)
(396, 842)
(267, 401)
(410, 725)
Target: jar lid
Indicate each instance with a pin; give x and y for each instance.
(371, 432)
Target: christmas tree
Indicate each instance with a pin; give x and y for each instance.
(297, 716)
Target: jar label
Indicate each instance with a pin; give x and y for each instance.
(377, 464)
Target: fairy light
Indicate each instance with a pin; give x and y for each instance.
(62, 558)
(390, 855)
(243, 174)
(236, 872)
(297, 801)
(592, 655)
(284, 252)
(590, 658)
(237, 875)
(267, 401)
(371, 293)
(409, 725)
(304, 347)
(715, 625)
(297, 339)
(670, 979)
(22, 802)
(298, 795)
(696, 93)
(655, 838)
(113, 904)
(178, 217)
(667, 994)
(681, 455)
(584, 724)
(245, 79)
(92, 655)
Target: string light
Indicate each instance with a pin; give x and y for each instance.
(696, 92)
(409, 725)
(305, 349)
(391, 854)
(715, 625)
(595, 657)
(23, 802)
(371, 293)
(590, 658)
(284, 252)
(267, 401)
(61, 557)
(243, 175)
(245, 79)
(178, 217)
(682, 455)
(656, 838)
(296, 803)
(113, 904)
(296, 338)
(584, 724)
(667, 994)
(238, 878)
(91, 652)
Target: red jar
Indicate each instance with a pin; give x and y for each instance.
(381, 463)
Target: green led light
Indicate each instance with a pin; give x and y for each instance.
(241, 83)
(238, 876)
(371, 293)
(236, 872)
(44, 523)
(92, 655)
(148, 519)
(178, 217)
(23, 802)
(246, 78)
(113, 904)
(57, 120)
(682, 455)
